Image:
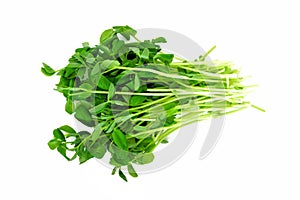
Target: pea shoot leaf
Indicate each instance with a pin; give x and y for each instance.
(131, 171)
(164, 58)
(53, 144)
(120, 139)
(145, 54)
(83, 115)
(107, 34)
(125, 31)
(145, 158)
(137, 100)
(47, 70)
(159, 40)
(103, 83)
(67, 129)
(58, 135)
(122, 175)
(98, 108)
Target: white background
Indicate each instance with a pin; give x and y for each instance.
(258, 154)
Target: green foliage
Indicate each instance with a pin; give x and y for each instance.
(143, 159)
(134, 95)
(83, 115)
(47, 70)
(119, 139)
(122, 175)
(131, 171)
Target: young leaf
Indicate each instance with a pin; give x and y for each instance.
(67, 129)
(62, 149)
(104, 48)
(125, 31)
(126, 97)
(144, 158)
(86, 91)
(164, 141)
(113, 162)
(119, 103)
(98, 109)
(107, 34)
(87, 104)
(108, 64)
(58, 135)
(85, 44)
(103, 83)
(117, 45)
(147, 75)
(137, 82)
(111, 91)
(70, 72)
(73, 65)
(96, 133)
(83, 135)
(130, 85)
(159, 40)
(164, 58)
(47, 70)
(97, 148)
(137, 100)
(121, 157)
(111, 127)
(78, 58)
(105, 65)
(81, 73)
(90, 58)
(120, 139)
(96, 69)
(69, 107)
(84, 156)
(114, 171)
(86, 86)
(53, 144)
(135, 50)
(131, 142)
(145, 54)
(122, 175)
(140, 128)
(131, 171)
(84, 116)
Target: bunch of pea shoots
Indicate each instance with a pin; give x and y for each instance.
(133, 95)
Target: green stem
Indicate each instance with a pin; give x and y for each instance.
(258, 108)
(206, 54)
(204, 93)
(173, 76)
